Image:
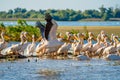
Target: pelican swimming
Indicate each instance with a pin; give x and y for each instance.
(118, 43)
(24, 46)
(104, 45)
(16, 48)
(97, 47)
(83, 54)
(111, 49)
(116, 54)
(89, 44)
(78, 45)
(66, 46)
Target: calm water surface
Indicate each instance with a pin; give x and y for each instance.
(71, 23)
(48, 69)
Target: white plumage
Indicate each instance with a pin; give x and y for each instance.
(31, 47)
(64, 48)
(3, 43)
(20, 47)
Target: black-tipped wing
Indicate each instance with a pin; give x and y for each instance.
(41, 27)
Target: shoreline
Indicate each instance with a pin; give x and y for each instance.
(36, 19)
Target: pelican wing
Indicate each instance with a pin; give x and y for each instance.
(41, 27)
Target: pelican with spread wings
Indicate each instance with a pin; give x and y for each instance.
(48, 33)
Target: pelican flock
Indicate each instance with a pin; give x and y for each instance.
(100, 46)
(103, 47)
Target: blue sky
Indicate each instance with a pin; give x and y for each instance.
(57, 4)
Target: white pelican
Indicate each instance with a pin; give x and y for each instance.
(96, 46)
(116, 39)
(104, 45)
(118, 44)
(89, 44)
(51, 44)
(64, 49)
(3, 43)
(111, 49)
(16, 49)
(24, 46)
(87, 48)
(112, 52)
(13, 49)
(31, 47)
(102, 33)
(38, 49)
(78, 45)
(66, 46)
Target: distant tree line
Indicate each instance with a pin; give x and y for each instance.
(62, 15)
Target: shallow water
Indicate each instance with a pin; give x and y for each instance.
(70, 23)
(48, 69)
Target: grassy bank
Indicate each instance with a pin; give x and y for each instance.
(12, 33)
(95, 29)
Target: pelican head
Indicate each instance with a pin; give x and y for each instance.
(67, 33)
(59, 35)
(116, 39)
(25, 34)
(78, 34)
(48, 17)
(102, 32)
(91, 34)
(33, 36)
(81, 35)
(75, 37)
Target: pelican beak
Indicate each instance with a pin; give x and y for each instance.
(75, 37)
(7, 37)
(39, 39)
